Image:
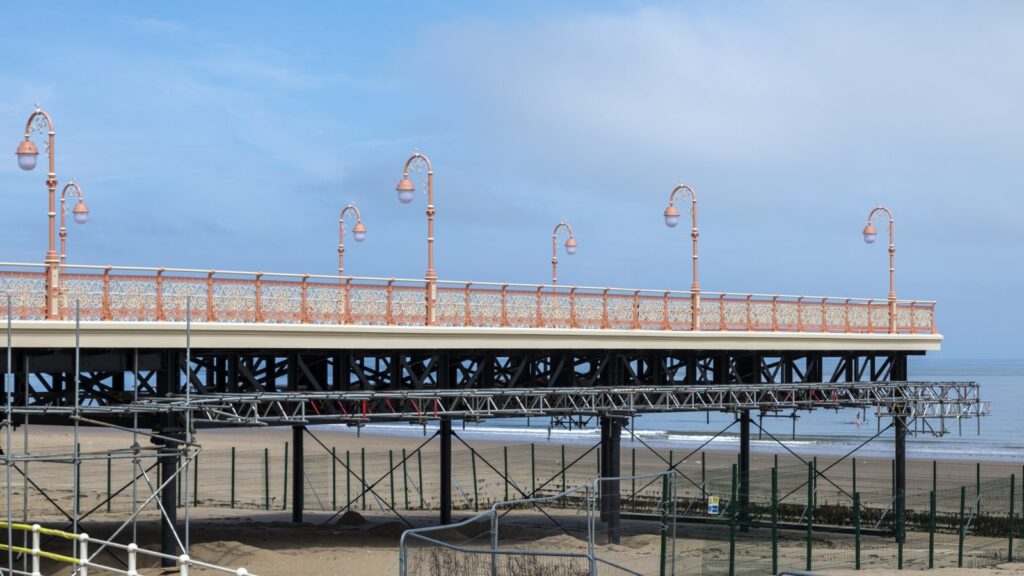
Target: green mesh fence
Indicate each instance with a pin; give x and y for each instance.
(934, 531)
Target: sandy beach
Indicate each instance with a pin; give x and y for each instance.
(240, 514)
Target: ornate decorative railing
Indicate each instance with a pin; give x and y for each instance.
(155, 294)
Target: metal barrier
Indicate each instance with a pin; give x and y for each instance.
(159, 294)
(431, 551)
(84, 562)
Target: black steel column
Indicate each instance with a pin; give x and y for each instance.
(747, 372)
(611, 433)
(298, 473)
(446, 471)
(899, 373)
(744, 471)
(167, 379)
(168, 456)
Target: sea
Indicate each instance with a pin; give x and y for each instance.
(996, 437)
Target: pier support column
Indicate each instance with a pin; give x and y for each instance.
(744, 471)
(298, 473)
(446, 471)
(899, 374)
(611, 433)
(170, 427)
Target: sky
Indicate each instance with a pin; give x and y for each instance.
(229, 135)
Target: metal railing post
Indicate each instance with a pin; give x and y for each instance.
(83, 554)
(160, 295)
(35, 550)
(258, 307)
(210, 312)
(133, 569)
(106, 314)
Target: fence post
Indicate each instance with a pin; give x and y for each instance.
(195, 481)
(931, 530)
(266, 478)
(856, 530)
(664, 523)
(632, 497)
(563, 474)
(960, 546)
(977, 489)
(935, 475)
(505, 451)
(284, 501)
(334, 478)
(391, 476)
(108, 482)
(533, 470)
(732, 525)
(362, 475)
(1009, 549)
(476, 494)
(232, 476)
(405, 478)
(348, 480)
(810, 515)
(899, 529)
(775, 520)
(854, 462)
(703, 478)
(419, 467)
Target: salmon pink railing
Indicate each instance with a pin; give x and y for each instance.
(132, 294)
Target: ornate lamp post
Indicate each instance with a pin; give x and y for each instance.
(671, 220)
(405, 191)
(41, 122)
(80, 213)
(869, 236)
(570, 248)
(358, 232)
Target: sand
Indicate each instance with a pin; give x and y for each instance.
(267, 543)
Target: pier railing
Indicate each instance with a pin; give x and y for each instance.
(138, 294)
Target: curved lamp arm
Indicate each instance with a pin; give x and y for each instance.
(358, 232)
(570, 247)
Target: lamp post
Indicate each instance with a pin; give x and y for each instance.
(358, 232)
(405, 191)
(671, 220)
(869, 237)
(80, 213)
(40, 121)
(570, 248)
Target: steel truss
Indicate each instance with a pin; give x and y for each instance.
(915, 401)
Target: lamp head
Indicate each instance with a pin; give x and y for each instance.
(671, 216)
(80, 212)
(359, 231)
(405, 190)
(27, 155)
(870, 234)
(570, 246)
